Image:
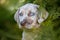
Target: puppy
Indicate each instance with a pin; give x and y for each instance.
(28, 17)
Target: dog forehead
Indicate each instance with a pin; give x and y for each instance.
(28, 7)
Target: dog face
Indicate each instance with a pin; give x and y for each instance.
(27, 16)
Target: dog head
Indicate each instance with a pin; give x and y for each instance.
(28, 16)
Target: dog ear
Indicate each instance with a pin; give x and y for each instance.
(16, 18)
(36, 6)
(42, 15)
(16, 15)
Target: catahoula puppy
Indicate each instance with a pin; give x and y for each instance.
(29, 17)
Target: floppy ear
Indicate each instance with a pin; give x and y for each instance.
(36, 6)
(43, 15)
(16, 17)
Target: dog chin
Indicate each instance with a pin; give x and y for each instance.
(28, 27)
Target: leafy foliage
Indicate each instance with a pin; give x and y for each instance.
(9, 30)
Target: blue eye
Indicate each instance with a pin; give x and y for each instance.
(31, 14)
(21, 14)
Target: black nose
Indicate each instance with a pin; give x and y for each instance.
(23, 22)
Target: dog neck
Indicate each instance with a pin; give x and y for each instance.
(30, 34)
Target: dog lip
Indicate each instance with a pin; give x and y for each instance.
(26, 23)
(29, 23)
(23, 23)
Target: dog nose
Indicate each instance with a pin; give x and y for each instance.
(23, 22)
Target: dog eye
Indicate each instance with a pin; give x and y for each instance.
(21, 14)
(31, 14)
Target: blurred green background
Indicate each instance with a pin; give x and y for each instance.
(9, 30)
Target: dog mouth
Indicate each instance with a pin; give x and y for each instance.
(26, 23)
